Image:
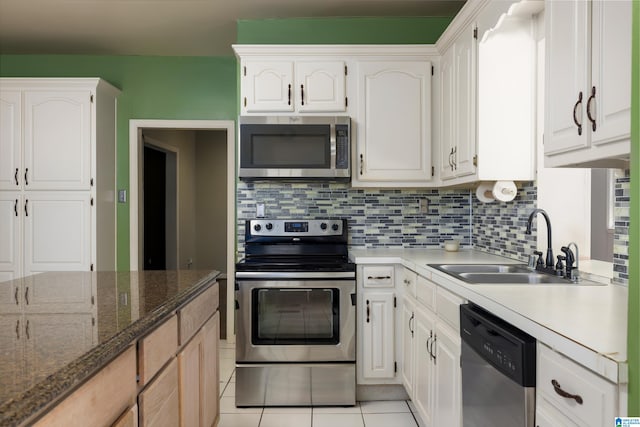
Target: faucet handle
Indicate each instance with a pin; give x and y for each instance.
(569, 255)
(540, 262)
(559, 265)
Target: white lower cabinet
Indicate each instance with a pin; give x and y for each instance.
(431, 358)
(568, 394)
(376, 311)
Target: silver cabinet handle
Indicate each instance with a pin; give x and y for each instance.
(26, 295)
(378, 277)
(18, 329)
(302, 94)
(15, 176)
(27, 330)
(15, 207)
(26, 181)
(361, 163)
(26, 207)
(15, 296)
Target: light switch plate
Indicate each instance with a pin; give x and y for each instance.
(424, 206)
(260, 210)
(122, 196)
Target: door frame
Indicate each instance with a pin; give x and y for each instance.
(136, 145)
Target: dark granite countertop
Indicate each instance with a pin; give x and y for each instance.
(59, 328)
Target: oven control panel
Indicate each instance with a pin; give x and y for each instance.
(278, 227)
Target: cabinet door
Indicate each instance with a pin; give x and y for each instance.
(190, 363)
(611, 71)
(378, 340)
(465, 103)
(448, 376)
(11, 242)
(57, 232)
(199, 386)
(10, 140)
(447, 94)
(210, 371)
(394, 124)
(408, 337)
(267, 86)
(57, 140)
(566, 24)
(159, 403)
(320, 86)
(423, 397)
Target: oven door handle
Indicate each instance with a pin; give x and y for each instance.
(295, 275)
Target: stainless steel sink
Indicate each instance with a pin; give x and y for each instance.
(482, 268)
(501, 274)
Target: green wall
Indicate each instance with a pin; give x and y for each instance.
(416, 30)
(152, 88)
(633, 331)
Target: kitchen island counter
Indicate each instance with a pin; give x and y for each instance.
(586, 322)
(60, 328)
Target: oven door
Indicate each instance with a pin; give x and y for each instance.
(294, 320)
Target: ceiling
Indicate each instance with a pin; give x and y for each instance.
(170, 27)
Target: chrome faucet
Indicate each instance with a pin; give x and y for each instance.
(572, 272)
(549, 261)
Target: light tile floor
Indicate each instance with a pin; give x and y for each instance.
(364, 414)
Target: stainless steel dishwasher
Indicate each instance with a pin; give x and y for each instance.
(498, 371)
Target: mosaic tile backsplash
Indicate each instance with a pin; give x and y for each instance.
(621, 232)
(392, 218)
(498, 228)
(376, 218)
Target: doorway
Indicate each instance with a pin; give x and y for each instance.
(205, 227)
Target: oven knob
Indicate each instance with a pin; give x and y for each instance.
(334, 227)
(323, 226)
(269, 226)
(257, 227)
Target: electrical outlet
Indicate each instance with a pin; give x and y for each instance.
(260, 210)
(122, 196)
(423, 206)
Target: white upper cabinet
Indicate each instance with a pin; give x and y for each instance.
(10, 139)
(458, 114)
(588, 83)
(394, 123)
(57, 140)
(288, 86)
(320, 86)
(57, 175)
(487, 91)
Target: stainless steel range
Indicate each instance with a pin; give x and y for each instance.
(295, 315)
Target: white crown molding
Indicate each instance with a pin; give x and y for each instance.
(333, 50)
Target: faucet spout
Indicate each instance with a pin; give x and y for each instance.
(549, 257)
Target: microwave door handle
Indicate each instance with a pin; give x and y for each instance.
(332, 138)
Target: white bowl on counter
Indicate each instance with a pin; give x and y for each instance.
(451, 245)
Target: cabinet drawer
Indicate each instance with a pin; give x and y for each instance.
(426, 291)
(156, 349)
(448, 307)
(597, 394)
(193, 315)
(379, 276)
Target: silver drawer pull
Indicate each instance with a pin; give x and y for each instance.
(561, 392)
(379, 278)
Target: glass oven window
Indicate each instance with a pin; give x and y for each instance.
(286, 316)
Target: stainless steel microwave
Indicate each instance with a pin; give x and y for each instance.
(288, 147)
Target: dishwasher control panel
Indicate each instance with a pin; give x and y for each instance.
(507, 348)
